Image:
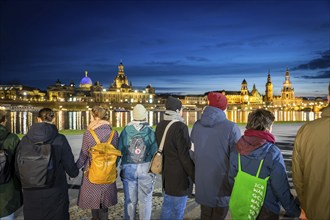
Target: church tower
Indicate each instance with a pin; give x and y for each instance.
(287, 92)
(269, 89)
(244, 92)
(121, 69)
(121, 81)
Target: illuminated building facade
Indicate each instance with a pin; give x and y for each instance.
(120, 91)
(21, 93)
(244, 96)
(269, 90)
(287, 97)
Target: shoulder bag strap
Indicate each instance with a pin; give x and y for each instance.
(260, 165)
(240, 166)
(161, 146)
(239, 162)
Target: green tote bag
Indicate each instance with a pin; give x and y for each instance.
(248, 194)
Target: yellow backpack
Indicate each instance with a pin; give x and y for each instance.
(102, 166)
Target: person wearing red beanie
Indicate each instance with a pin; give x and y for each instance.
(217, 100)
(213, 137)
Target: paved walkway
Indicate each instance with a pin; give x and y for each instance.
(284, 134)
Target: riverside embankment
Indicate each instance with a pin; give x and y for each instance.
(284, 134)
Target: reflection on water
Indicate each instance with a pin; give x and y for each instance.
(20, 121)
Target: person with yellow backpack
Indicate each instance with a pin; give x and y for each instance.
(98, 157)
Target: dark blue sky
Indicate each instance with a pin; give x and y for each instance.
(188, 47)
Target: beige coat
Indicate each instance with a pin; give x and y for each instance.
(311, 166)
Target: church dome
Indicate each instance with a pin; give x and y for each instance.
(86, 81)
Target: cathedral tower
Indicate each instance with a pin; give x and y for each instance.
(287, 92)
(269, 89)
(244, 92)
(121, 81)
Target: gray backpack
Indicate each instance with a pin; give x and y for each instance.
(136, 149)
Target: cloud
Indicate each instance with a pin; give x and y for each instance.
(320, 63)
(321, 75)
(198, 59)
(168, 63)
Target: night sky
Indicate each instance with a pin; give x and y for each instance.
(183, 47)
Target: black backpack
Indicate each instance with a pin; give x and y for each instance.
(36, 164)
(5, 168)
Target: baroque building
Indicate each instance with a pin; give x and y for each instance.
(120, 91)
(244, 96)
(120, 83)
(86, 82)
(287, 97)
(21, 93)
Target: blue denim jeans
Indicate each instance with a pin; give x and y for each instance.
(8, 217)
(173, 207)
(138, 187)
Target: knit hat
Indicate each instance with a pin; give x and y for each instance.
(139, 112)
(173, 104)
(217, 100)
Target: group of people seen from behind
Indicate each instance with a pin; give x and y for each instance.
(214, 158)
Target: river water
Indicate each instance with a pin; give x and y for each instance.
(20, 121)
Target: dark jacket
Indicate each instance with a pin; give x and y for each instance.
(177, 165)
(50, 203)
(10, 193)
(278, 188)
(214, 137)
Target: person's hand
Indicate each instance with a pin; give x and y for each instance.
(71, 178)
(302, 215)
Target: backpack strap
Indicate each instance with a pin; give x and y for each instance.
(240, 166)
(94, 136)
(111, 136)
(98, 140)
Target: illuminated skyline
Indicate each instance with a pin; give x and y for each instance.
(187, 47)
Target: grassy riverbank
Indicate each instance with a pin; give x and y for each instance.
(77, 132)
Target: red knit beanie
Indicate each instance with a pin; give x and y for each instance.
(217, 100)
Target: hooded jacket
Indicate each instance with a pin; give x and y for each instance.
(10, 193)
(142, 129)
(278, 188)
(311, 166)
(50, 203)
(213, 136)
